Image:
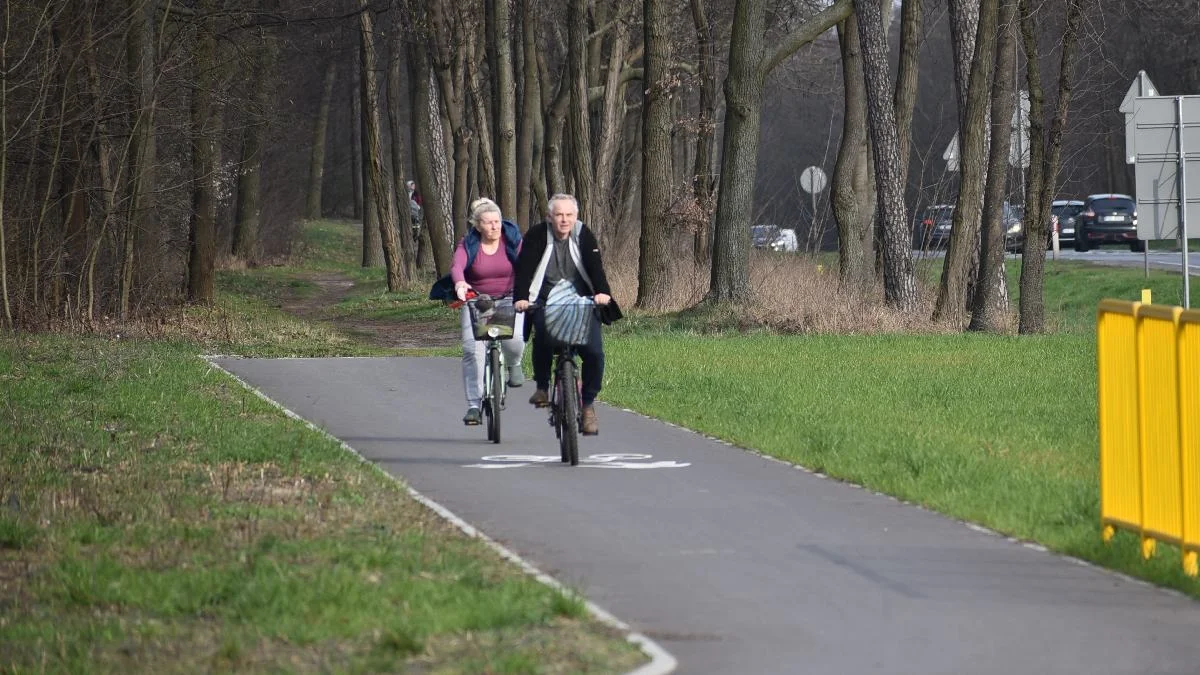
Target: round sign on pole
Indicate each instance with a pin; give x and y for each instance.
(812, 179)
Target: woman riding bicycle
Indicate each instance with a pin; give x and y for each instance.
(484, 261)
(565, 248)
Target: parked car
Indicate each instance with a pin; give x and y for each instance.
(1013, 216)
(774, 238)
(934, 229)
(1064, 214)
(1108, 219)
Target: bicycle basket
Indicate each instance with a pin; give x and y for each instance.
(497, 322)
(568, 315)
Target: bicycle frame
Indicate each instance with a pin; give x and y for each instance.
(566, 403)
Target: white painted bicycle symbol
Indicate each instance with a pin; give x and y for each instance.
(617, 460)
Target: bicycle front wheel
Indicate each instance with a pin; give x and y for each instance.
(496, 386)
(569, 412)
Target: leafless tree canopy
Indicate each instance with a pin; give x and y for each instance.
(144, 145)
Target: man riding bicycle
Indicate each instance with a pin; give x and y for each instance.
(564, 248)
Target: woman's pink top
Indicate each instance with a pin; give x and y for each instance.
(491, 274)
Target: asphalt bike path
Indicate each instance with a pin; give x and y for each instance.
(732, 562)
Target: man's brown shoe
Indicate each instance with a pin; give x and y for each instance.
(540, 399)
(589, 426)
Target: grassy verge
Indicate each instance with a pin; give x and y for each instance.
(156, 517)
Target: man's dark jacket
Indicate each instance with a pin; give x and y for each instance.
(534, 247)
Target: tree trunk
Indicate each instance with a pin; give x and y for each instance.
(316, 169)
(899, 283)
(749, 63)
(249, 188)
(506, 112)
(372, 243)
(989, 311)
(853, 174)
(481, 141)
(907, 78)
(654, 263)
(8, 318)
(428, 152)
(730, 277)
(1044, 165)
(531, 105)
(578, 116)
(407, 243)
(205, 128)
(384, 202)
(702, 171)
(141, 232)
(609, 135)
(964, 231)
(356, 162)
(449, 65)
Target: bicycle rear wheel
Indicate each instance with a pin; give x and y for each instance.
(569, 411)
(495, 387)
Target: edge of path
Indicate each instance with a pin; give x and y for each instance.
(661, 661)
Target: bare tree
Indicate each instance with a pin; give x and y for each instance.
(577, 113)
(249, 188)
(531, 105)
(1045, 156)
(990, 307)
(899, 282)
(139, 236)
(964, 231)
(384, 205)
(429, 158)
(506, 109)
(749, 63)
(316, 171)
(702, 171)
(853, 174)
(205, 159)
(654, 267)
(399, 185)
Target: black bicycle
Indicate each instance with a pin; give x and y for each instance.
(566, 403)
(566, 391)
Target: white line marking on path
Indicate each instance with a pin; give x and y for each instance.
(661, 661)
(623, 460)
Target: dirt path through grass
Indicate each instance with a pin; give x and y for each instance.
(324, 304)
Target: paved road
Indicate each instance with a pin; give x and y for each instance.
(735, 563)
(1110, 256)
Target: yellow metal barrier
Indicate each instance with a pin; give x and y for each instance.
(1148, 365)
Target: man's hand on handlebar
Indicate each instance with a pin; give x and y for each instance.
(521, 305)
(603, 299)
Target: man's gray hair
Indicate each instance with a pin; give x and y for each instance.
(561, 197)
(481, 206)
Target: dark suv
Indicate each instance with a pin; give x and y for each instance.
(1108, 219)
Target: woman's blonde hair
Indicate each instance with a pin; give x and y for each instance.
(481, 206)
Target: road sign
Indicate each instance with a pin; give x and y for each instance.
(951, 154)
(1018, 148)
(1157, 162)
(1141, 87)
(812, 179)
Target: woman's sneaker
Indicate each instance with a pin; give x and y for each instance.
(516, 377)
(473, 417)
